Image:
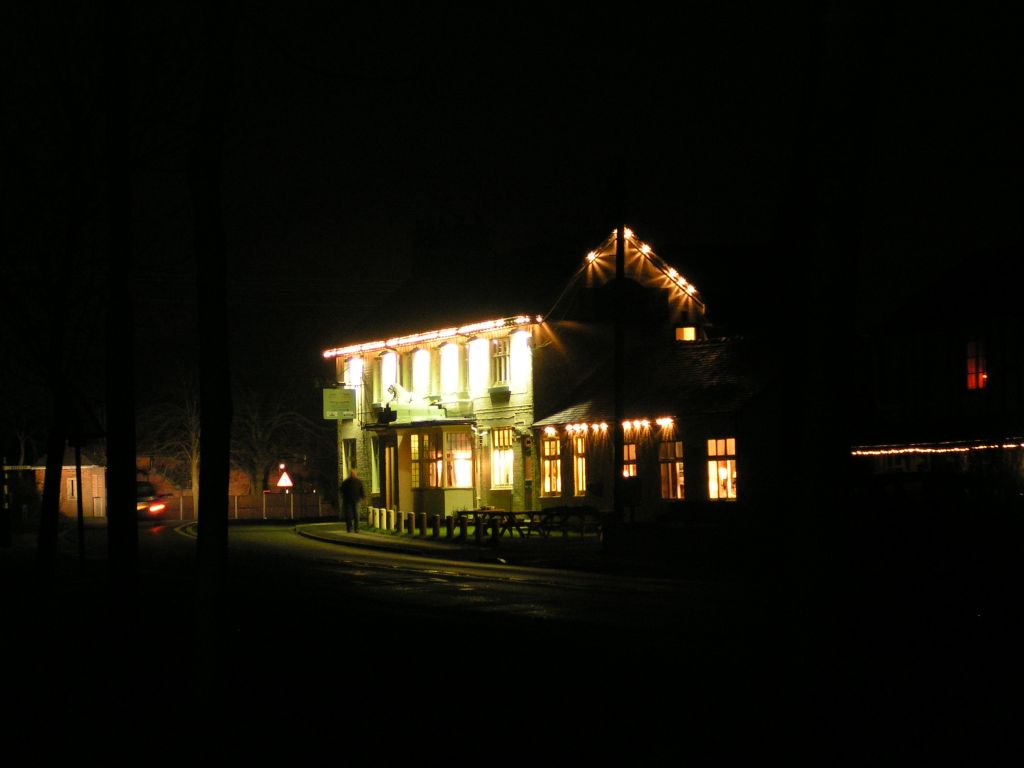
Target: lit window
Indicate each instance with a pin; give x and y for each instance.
(458, 460)
(449, 369)
(414, 464)
(421, 372)
(388, 373)
(354, 372)
(374, 465)
(519, 361)
(501, 457)
(670, 460)
(579, 465)
(686, 333)
(629, 460)
(551, 466)
(431, 449)
(501, 358)
(722, 469)
(977, 370)
(478, 360)
(348, 456)
(72, 488)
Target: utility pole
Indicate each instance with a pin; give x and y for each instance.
(618, 362)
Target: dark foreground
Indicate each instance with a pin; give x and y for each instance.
(309, 629)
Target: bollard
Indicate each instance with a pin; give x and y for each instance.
(408, 522)
(400, 520)
(449, 525)
(436, 526)
(423, 523)
(462, 527)
(374, 519)
(391, 519)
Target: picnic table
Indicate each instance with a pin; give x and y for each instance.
(541, 521)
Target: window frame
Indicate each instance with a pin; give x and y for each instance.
(551, 467)
(629, 459)
(502, 456)
(452, 463)
(722, 455)
(579, 464)
(977, 365)
(501, 362)
(671, 472)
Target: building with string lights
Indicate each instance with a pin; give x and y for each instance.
(943, 415)
(516, 412)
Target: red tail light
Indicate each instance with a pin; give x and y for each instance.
(156, 508)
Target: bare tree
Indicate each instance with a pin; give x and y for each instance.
(264, 433)
(170, 433)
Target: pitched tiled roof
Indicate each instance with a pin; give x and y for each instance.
(703, 377)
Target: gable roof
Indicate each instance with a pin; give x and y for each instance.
(89, 458)
(642, 265)
(703, 377)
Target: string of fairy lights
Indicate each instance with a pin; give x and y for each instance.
(428, 336)
(670, 272)
(924, 450)
(628, 425)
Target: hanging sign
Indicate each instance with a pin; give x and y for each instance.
(339, 403)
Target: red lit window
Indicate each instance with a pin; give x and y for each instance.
(977, 373)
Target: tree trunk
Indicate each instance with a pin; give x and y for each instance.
(822, 240)
(49, 511)
(195, 485)
(122, 523)
(214, 381)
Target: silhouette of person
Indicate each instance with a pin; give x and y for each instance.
(351, 494)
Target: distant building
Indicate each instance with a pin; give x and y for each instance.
(93, 491)
(515, 412)
(943, 418)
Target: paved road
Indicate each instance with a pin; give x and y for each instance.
(403, 643)
(306, 622)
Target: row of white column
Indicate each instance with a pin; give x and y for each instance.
(383, 518)
(409, 522)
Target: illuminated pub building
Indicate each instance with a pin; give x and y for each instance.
(516, 412)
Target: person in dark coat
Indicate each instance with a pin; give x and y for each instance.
(351, 494)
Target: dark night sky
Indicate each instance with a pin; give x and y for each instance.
(367, 150)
